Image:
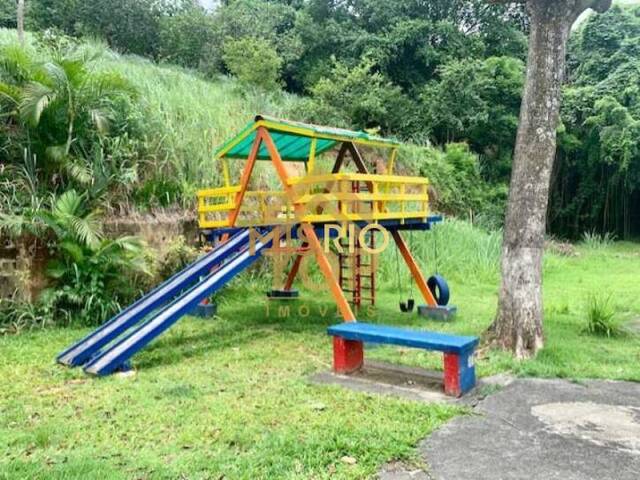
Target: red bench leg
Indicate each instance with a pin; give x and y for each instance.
(459, 373)
(348, 355)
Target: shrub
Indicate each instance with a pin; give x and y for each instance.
(458, 186)
(17, 315)
(597, 241)
(360, 97)
(253, 61)
(61, 109)
(185, 37)
(601, 317)
(178, 255)
(90, 276)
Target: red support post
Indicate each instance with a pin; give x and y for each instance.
(451, 375)
(348, 355)
(459, 373)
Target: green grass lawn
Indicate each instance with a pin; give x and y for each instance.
(231, 397)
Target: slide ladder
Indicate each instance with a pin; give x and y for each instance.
(137, 325)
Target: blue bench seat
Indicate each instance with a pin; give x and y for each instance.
(459, 370)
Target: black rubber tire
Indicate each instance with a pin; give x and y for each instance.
(439, 288)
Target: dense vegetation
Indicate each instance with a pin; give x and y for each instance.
(439, 71)
(117, 133)
(597, 179)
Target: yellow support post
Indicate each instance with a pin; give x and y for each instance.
(225, 172)
(402, 190)
(392, 161)
(312, 156)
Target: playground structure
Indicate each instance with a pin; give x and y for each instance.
(349, 209)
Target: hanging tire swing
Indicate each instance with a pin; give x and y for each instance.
(439, 289)
(436, 283)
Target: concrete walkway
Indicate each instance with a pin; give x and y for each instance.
(540, 429)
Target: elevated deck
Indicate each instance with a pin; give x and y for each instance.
(329, 198)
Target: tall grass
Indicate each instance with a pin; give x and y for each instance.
(185, 117)
(454, 248)
(597, 241)
(601, 317)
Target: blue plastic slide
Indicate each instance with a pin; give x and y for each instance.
(150, 315)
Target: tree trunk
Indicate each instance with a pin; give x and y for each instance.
(20, 21)
(518, 325)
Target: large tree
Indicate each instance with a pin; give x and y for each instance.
(518, 325)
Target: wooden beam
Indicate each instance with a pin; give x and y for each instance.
(340, 158)
(244, 180)
(295, 268)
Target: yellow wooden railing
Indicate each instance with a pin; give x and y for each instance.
(332, 198)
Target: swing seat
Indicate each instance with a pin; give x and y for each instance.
(407, 306)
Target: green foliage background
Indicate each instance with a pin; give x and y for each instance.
(426, 72)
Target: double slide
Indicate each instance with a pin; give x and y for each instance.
(109, 347)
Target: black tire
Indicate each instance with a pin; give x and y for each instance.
(439, 289)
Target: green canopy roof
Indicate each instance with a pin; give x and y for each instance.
(293, 139)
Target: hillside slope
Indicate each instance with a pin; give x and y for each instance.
(187, 116)
(159, 148)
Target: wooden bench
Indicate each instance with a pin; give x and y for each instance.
(459, 370)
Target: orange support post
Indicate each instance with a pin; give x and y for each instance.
(415, 270)
(295, 268)
(309, 232)
(244, 180)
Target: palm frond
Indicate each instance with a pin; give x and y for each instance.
(130, 243)
(56, 269)
(36, 97)
(82, 174)
(56, 152)
(73, 250)
(87, 231)
(16, 224)
(100, 120)
(13, 225)
(124, 252)
(70, 203)
(110, 84)
(52, 222)
(92, 50)
(75, 71)
(10, 93)
(56, 75)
